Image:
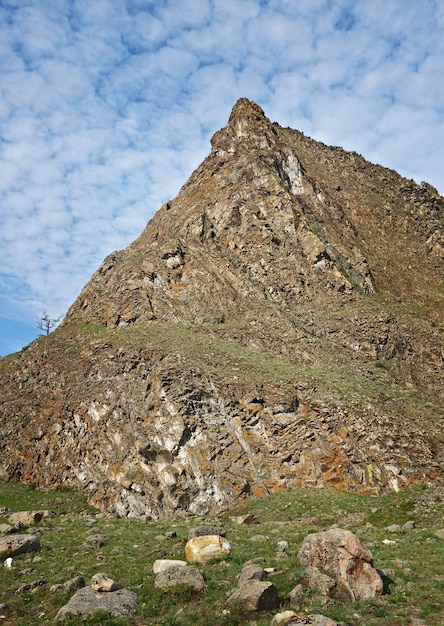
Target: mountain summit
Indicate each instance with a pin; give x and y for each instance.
(277, 324)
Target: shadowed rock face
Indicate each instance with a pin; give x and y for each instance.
(275, 325)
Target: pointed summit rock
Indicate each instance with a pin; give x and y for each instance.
(276, 324)
(249, 207)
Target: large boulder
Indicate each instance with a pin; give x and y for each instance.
(27, 518)
(187, 576)
(86, 602)
(207, 547)
(11, 545)
(255, 595)
(340, 555)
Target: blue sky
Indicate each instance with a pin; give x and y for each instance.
(106, 108)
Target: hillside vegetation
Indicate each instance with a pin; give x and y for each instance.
(411, 559)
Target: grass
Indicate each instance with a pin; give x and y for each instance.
(412, 565)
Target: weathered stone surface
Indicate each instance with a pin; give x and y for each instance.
(409, 525)
(273, 257)
(78, 582)
(12, 545)
(312, 620)
(245, 519)
(95, 541)
(207, 547)
(395, 528)
(188, 576)
(281, 619)
(5, 529)
(27, 518)
(161, 565)
(86, 602)
(258, 538)
(282, 549)
(202, 531)
(296, 596)
(339, 553)
(252, 571)
(102, 582)
(319, 582)
(30, 586)
(255, 595)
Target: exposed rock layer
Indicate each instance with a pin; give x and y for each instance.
(275, 325)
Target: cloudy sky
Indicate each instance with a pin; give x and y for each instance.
(106, 107)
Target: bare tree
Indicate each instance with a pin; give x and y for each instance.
(47, 323)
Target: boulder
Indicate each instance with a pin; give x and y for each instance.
(255, 595)
(95, 541)
(103, 583)
(252, 571)
(311, 620)
(317, 581)
(284, 618)
(11, 545)
(340, 554)
(85, 602)
(73, 584)
(5, 529)
(27, 518)
(259, 538)
(69, 586)
(244, 520)
(173, 576)
(395, 528)
(207, 547)
(297, 596)
(30, 586)
(409, 525)
(160, 565)
(201, 531)
(281, 549)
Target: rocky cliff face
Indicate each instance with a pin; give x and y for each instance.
(277, 324)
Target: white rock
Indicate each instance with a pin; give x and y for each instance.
(162, 564)
(283, 618)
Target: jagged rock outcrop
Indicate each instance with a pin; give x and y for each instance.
(277, 324)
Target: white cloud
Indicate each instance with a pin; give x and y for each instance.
(107, 107)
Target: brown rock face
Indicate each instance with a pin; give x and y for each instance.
(277, 324)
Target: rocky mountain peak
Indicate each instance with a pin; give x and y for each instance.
(277, 324)
(247, 120)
